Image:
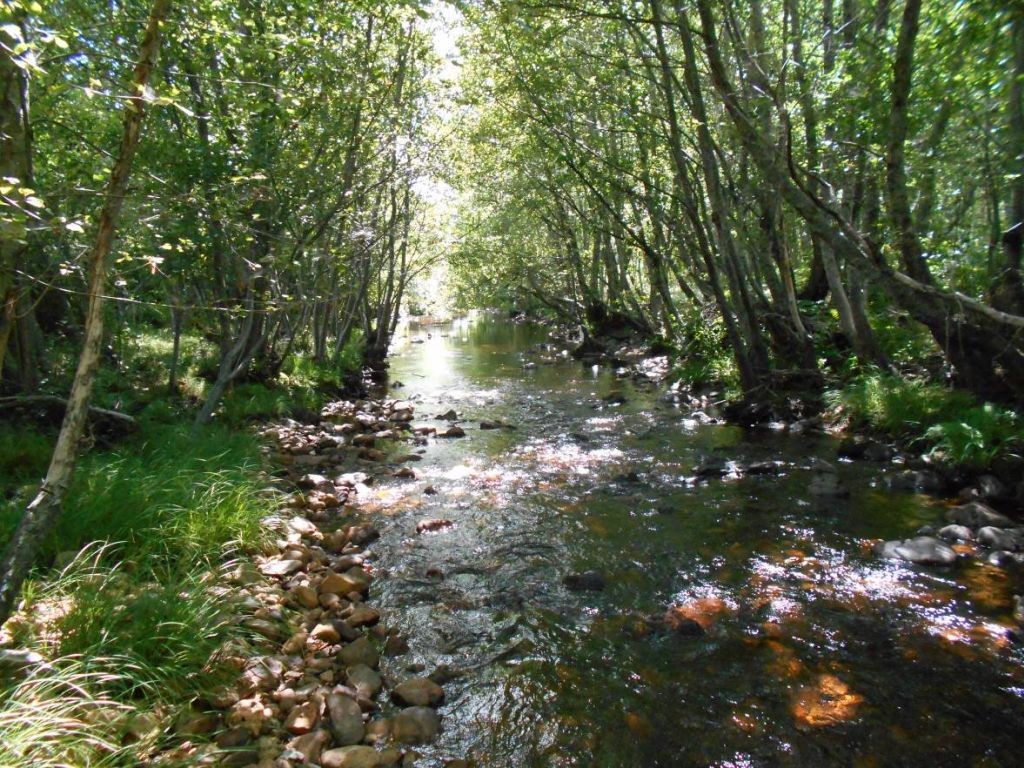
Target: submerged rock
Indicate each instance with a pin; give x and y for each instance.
(997, 538)
(433, 524)
(415, 725)
(711, 466)
(955, 533)
(588, 581)
(918, 481)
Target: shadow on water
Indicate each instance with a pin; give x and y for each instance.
(786, 642)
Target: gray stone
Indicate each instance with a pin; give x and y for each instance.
(345, 719)
(975, 514)
(997, 538)
(955, 532)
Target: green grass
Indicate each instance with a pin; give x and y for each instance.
(134, 625)
(24, 455)
(60, 717)
(897, 406)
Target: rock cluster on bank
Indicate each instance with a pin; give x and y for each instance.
(309, 689)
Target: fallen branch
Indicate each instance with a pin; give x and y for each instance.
(52, 402)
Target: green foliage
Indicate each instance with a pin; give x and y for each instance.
(897, 406)
(978, 436)
(59, 716)
(705, 358)
(947, 423)
(174, 492)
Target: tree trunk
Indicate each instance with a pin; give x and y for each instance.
(1008, 293)
(15, 166)
(900, 213)
(42, 513)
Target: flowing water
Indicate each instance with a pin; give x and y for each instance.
(814, 652)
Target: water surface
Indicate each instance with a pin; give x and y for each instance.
(814, 653)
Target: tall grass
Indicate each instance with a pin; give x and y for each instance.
(134, 625)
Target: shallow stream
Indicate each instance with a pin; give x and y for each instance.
(813, 652)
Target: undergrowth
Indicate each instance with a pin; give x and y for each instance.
(947, 423)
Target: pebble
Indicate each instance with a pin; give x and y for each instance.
(280, 567)
(306, 596)
(310, 745)
(364, 680)
(302, 718)
(358, 756)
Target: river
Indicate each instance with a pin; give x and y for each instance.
(797, 646)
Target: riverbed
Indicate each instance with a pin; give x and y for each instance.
(743, 621)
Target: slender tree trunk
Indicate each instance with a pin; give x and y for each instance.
(42, 513)
(900, 212)
(1009, 290)
(15, 165)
